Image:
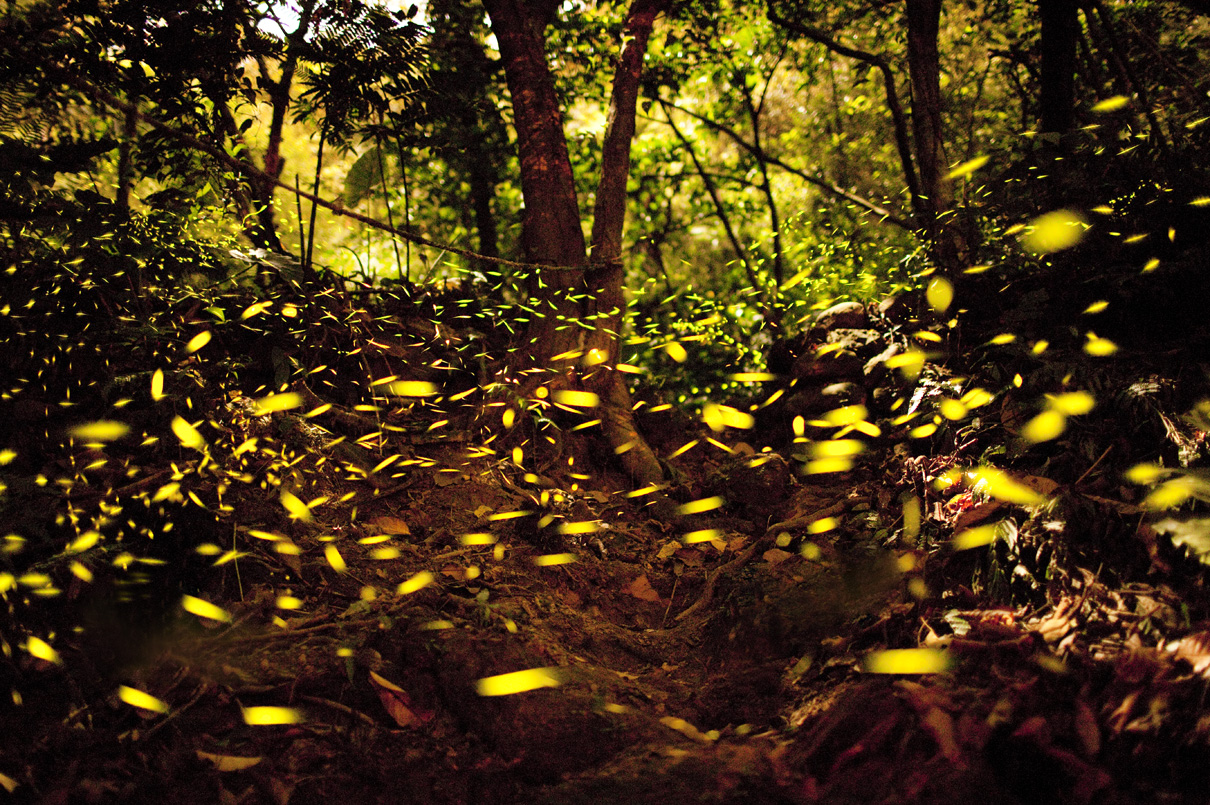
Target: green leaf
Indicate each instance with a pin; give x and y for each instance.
(364, 176)
(1193, 534)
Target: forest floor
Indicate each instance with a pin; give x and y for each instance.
(331, 620)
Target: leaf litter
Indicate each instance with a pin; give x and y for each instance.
(831, 600)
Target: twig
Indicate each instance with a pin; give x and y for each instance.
(342, 708)
(805, 520)
(292, 633)
(175, 712)
(1093, 467)
(761, 154)
(671, 596)
(129, 489)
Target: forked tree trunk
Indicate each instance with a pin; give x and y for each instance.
(574, 337)
(550, 223)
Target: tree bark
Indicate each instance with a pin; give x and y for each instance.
(550, 224)
(279, 97)
(605, 275)
(934, 208)
(125, 159)
(1059, 33)
(574, 335)
(551, 221)
(483, 193)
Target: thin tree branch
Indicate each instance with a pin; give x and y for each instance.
(251, 171)
(766, 187)
(898, 118)
(740, 251)
(823, 184)
(1129, 78)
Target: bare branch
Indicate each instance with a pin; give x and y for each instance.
(898, 118)
(823, 184)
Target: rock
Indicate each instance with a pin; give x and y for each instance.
(806, 402)
(841, 364)
(840, 394)
(780, 357)
(846, 315)
(875, 368)
(901, 308)
(752, 483)
(811, 401)
(882, 398)
(863, 343)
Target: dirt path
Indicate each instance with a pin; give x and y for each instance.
(377, 607)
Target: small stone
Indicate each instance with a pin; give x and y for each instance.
(861, 342)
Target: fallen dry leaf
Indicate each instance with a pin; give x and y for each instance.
(395, 700)
(977, 514)
(668, 549)
(1056, 626)
(776, 555)
(992, 625)
(391, 525)
(691, 557)
(1087, 729)
(1043, 486)
(1195, 650)
(641, 588)
(940, 725)
(229, 762)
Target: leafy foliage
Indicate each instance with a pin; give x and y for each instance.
(369, 68)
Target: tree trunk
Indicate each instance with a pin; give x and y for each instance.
(279, 97)
(483, 193)
(574, 337)
(125, 160)
(550, 225)
(605, 274)
(1060, 31)
(934, 206)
